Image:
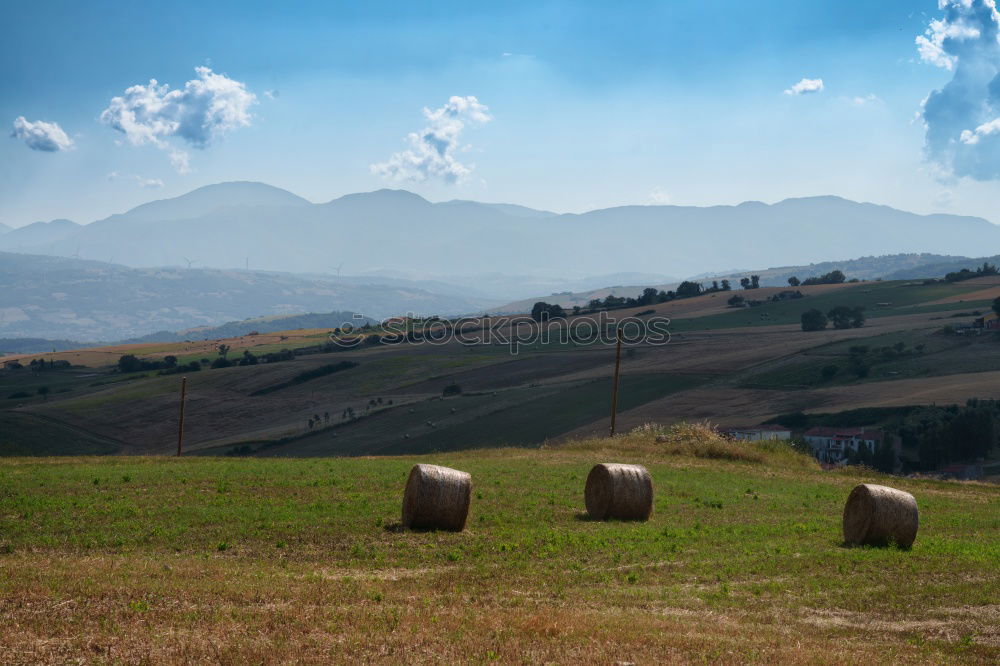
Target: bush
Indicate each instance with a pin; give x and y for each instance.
(19, 395)
(829, 372)
(543, 310)
(452, 389)
(813, 320)
(844, 317)
(833, 277)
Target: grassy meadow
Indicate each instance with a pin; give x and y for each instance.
(247, 560)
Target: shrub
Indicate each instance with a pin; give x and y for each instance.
(813, 320)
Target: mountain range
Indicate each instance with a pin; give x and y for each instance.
(56, 297)
(395, 232)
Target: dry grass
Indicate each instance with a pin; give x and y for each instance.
(695, 440)
(145, 560)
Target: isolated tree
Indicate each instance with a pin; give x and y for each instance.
(793, 281)
(813, 320)
(726, 286)
(44, 392)
(687, 289)
(129, 363)
(844, 317)
(223, 350)
(745, 283)
(754, 281)
(542, 311)
(648, 296)
(836, 277)
(170, 361)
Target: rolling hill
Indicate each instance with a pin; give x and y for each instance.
(234, 224)
(54, 297)
(731, 366)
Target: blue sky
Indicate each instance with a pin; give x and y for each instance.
(577, 105)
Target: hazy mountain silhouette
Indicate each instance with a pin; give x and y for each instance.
(235, 224)
(55, 297)
(38, 234)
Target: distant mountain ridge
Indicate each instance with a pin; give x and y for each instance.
(888, 267)
(55, 297)
(39, 234)
(240, 224)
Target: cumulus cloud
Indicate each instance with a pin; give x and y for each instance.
(962, 119)
(432, 149)
(198, 114)
(145, 183)
(806, 87)
(40, 135)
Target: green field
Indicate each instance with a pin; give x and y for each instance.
(31, 435)
(245, 560)
(940, 355)
(520, 416)
(905, 297)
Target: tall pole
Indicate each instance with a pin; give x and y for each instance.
(614, 384)
(180, 423)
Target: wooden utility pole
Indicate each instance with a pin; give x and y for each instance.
(180, 423)
(614, 384)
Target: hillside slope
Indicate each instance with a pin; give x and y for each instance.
(53, 297)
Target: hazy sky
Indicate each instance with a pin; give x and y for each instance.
(565, 106)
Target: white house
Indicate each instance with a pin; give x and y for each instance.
(835, 445)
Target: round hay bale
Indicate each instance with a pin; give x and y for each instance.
(875, 515)
(619, 491)
(436, 498)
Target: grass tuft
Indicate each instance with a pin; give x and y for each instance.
(698, 440)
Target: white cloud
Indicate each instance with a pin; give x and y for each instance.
(659, 196)
(962, 119)
(806, 87)
(870, 98)
(41, 135)
(145, 183)
(957, 27)
(971, 138)
(432, 150)
(198, 114)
